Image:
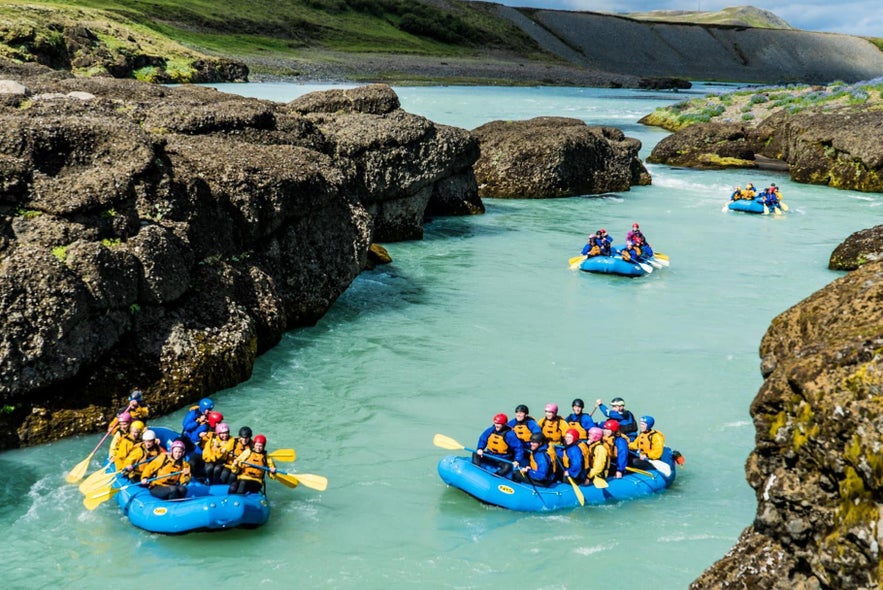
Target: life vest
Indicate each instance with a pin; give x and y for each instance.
(124, 447)
(598, 459)
(219, 451)
(140, 454)
(238, 449)
(651, 443)
(578, 427)
(553, 430)
(628, 425)
(164, 465)
(249, 472)
(496, 442)
(522, 430)
(553, 460)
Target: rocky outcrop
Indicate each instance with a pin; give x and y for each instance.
(840, 148)
(555, 157)
(860, 248)
(817, 468)
(161, 238)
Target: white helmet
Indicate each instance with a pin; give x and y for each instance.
(148, 435)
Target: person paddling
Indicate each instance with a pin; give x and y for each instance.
(170, 473)
(247, 466)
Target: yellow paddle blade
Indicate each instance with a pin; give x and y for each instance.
(96, 481)
(599, 482)
(92, 501)
(283, 455)
(660, 255)
(576, 260)
(287, 479)
(641, 471)
(783, 206)
(577, 491)
(79, 470)
(446, 442)
(317, 482)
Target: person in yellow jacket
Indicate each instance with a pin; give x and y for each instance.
(170, 473)
(141, 454)
(135, 409)
(120, 428)
(218, 453)
(596, 454)
(552, 425)
(248, 468)
(649, 444)
(126, 443)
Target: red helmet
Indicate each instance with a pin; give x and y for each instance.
(572, 432)
(260, 439)
(635, 225)
(501, 419)
(602, 231)
(215, 418)
(612, 425)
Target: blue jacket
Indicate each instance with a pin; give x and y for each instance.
(584, 420)
(196, 440)
(627, 423)
(544, 473)
(529, 423)
(577, 468)
(189, 423)
(622, 453)
(516, 446)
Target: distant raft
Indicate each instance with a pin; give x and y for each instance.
(204, 508)
(490, 488)
(747, 206)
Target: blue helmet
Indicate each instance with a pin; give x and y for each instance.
(648, 420)
(205, 404)
(135, 396)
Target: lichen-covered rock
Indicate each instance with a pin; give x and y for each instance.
(860, 248)
(161, 238)
(708, 146)
(817, 468)
(555, 157)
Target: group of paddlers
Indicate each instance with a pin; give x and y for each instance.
(770, 196)
(214, 457)
(543, 452)
(636, 245)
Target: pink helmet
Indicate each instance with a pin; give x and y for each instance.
(572, 432)
(222, 427)
(178, 444)
(124, 417)
(552, 408)
(595, 433)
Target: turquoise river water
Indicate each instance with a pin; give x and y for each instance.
(481, 315)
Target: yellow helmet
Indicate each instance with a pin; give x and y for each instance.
(137, 425)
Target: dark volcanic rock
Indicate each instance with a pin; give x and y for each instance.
(161, 238)
(706, 146)
(860, 248)
(817, 469)
(555, 157)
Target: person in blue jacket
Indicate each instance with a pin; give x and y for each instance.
(579, 420)
(541, 469)
(523, 424)
(572, 462)
(498, 441)
(618, 447)
(195, 417)
(627, 423)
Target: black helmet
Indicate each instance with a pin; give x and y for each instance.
(538, 437)
(245, 432)
(578, 403)
(522, 408)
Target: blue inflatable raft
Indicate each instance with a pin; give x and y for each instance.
(747, 206)
(496, 490)
(204, 508)
(611, 265)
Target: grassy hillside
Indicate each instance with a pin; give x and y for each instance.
(262, 27)
(745, 16)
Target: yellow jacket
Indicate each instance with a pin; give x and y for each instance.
(253, 473)
(651, 443)
(164, 465)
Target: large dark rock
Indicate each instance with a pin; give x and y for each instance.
(860, 248)
(839, 148)
(817, 469)
(162, 238)
(555, 157)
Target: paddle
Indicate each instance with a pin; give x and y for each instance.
(661, 256)
(641, 471)
(766, 210)
(783, 206)
(578, 492)
(102, 478)
(317, 482)
(645, 267)
(283, 455)
(79, 470)
(654, 263)
(576, 261)
(660, 466)
(92, 502)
